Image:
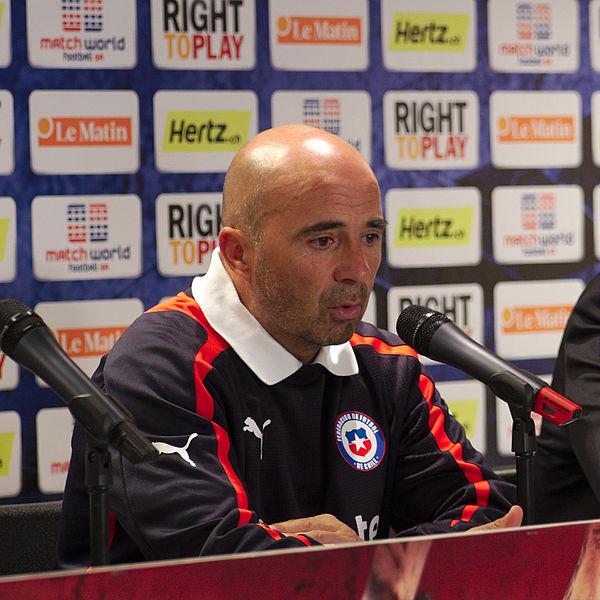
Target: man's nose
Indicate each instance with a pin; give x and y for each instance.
(353, 264)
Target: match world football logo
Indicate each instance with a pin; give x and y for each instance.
(359, 440)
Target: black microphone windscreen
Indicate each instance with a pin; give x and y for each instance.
(15, 319)
(417, 324)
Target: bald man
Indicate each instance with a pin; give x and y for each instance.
(281, 419)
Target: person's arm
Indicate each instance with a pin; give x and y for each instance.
(192, 500)
(441, 483)
(579, 380)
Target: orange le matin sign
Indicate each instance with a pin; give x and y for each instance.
(536, 129)
(319, 30)
(84, 131)
(526, 319)
(79, 343)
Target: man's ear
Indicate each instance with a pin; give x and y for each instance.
(237, 251)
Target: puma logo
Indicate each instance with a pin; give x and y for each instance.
(252, 427)
(164, 448)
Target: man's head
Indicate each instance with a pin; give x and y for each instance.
(301, 236)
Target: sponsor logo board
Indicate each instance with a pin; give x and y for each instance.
(82, 34)
(187, 228)
(54, 427)
(5, 37)
(530, 316)
(8, 239)
(319, 36)
(91, 131)
(433, 227)
(203, 35)
(88, 329)
(343, 113)
(431, 130)
(86, 237)
(533, 36)
(430, 35)
(202, 131)
(7, 133)
(537, 224)
(10, 454)
(466, 401)
(531, 129)
(460, 302)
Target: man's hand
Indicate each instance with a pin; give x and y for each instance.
(512, 518)
(326, 529)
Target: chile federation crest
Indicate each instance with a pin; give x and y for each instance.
(359, 440)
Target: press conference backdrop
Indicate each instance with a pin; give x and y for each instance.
(118, 120)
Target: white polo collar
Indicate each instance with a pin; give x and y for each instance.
(269, 360)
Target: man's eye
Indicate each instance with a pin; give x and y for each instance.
(371, 238)
(323, 241)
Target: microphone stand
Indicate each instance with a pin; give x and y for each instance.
(521, 399)
(104, 425)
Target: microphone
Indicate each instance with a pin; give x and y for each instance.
(434, 335)
(26, 339)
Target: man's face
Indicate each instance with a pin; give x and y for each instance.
(316, 263)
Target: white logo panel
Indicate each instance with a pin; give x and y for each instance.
(91, 131)
(433, 227)
(7, 133)
(187, 229)
(460, 302)
(10, 454)
(88, 329)
(530, 316)
(431, 130)
(86, 237)
(54, 427)
(535, 129)
(345, 114)
(431, 35)
(202, 131)
(96, 34)
(5, 37)
(533, 36)
(537, 224)
(319, 36)
(203, 35)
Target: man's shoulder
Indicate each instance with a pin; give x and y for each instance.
(381, 341)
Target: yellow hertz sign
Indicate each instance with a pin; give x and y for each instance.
(429, 32)
(6, 445)
(426, 227)
(4, 223)
(465, 412)
(206, 131)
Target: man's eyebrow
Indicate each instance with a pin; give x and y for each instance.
(326, 225)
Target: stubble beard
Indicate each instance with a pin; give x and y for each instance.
(284, 306)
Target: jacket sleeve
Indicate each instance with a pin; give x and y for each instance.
(441, 482)
(191, 501)
(577, 376)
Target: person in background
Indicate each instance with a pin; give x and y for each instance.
(567, 466)
(281, 419)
